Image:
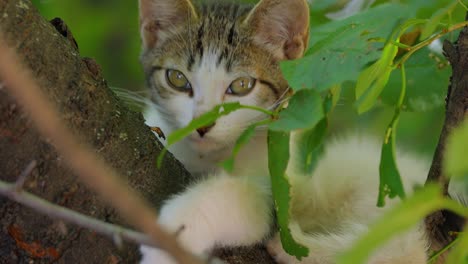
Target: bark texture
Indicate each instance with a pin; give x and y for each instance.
(89, 108)
(439, 224)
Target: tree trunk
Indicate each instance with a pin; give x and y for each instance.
(441, 223)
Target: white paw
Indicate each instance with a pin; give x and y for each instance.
(155, 256)
(277, 252)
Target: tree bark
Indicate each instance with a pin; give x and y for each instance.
(441, 223)
(75, 86)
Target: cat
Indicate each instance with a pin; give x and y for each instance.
(198, 55)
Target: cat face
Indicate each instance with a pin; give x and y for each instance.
(198, 57)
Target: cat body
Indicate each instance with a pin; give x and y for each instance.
(197, 56)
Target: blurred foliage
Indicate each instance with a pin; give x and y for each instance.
(106, 30)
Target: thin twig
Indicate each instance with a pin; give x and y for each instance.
(22, 178)
(62, 213)
(463, 5)
(429, 40)
(87, 165)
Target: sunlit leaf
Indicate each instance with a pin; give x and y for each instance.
(336, 94)
(304, 111)
(278, 157)
(372, 80)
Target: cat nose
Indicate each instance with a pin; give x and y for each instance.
(203, 130)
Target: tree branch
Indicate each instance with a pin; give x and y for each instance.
(89, 167)
(441, 223)
(44, 207)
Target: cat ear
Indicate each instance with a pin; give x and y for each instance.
(282, 26)
(159, 17)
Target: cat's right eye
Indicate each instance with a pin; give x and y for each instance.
(178, 81)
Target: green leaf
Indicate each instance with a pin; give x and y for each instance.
(400, 218)
(309, 147)
(336, 94)
(435, 19)
(304, 111)
(425, 9)
(339, 50)
(459, 254)
(206, 119)
(278, 157)
(455, 158)
(428, 77)
(390, 179)
(372, 80)
(241, 141)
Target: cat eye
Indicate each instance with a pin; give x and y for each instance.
(178, 81)
(241, 86)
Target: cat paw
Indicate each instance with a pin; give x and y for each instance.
(156, 256)
(276, 251)
(152, 256)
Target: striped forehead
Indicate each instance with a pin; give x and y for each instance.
(210, 80)
(217, 33)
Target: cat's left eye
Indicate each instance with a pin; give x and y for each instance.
(178, 80)
(241, 86)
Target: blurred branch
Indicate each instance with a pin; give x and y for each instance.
(55, 211)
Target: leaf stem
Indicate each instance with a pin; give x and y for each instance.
(65, 214)
(258, 109)
(403, 87)
(429, 40)
(438, 253)
(462, 4)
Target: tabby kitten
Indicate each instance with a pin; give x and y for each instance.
(197, 56)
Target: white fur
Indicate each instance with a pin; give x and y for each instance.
(330, 209)
(222, 210)
(335, 206)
